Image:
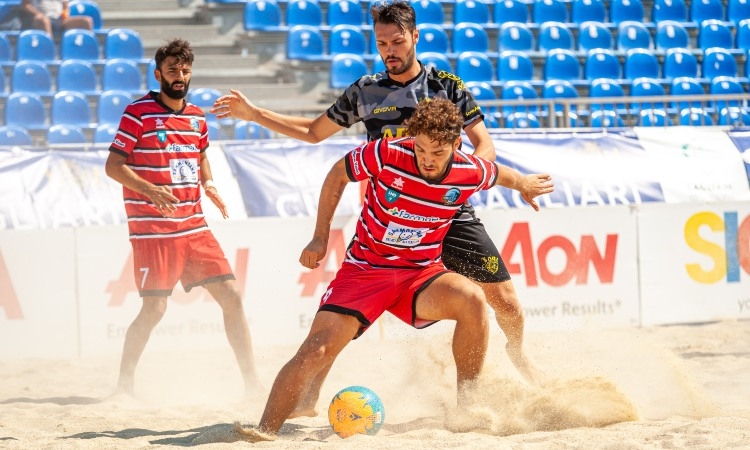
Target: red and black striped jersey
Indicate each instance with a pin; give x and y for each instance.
(164, 147)
(405, 217)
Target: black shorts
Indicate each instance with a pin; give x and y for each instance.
(468, 250)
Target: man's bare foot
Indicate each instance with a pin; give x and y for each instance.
(524, 365)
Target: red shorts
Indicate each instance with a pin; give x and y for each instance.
(366, 293)
(195, 259)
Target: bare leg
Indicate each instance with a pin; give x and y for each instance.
(509, 315)
(238, 332)
(306, 406)
(329, 334)
(136, 339)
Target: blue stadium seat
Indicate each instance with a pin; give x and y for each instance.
(603, 88)
(439, 60)
(379, 66)
(606, 119)
(725, 86)
(675, 10)
(718, 62)
(152, 84)
(70, 108)
(516, 36)
(474, 66)
(111, 105)
(345, 12)
(522, 120)
(588, 11)
(738, 10)
(215, 131)
(31, 76)
(3, 84)
(631, 34)
(602, 63)
(562, 65)
(714, 33)
(77, 75)
(510, 11)
(6, 50)
(559, 89)
(305, 42)
(640, 62)
(35, 45)
(491, 122)
(685, 86)
(549, 11)
(470, 37)
(105, 133)
(743, 37)
(65, 134)
(432, 38)
(476, 11)
(346, 38)
(346, 69)
(653, 117)
(518, 90)
(15, 135)
(483, 91)
(121, 74)
(671, 34)
(25, 109)
(695, 117)
(514, 65)
(304, 12)
(701, 10)
(123, 43)
(79, 44)
(593, 35)
(646, 87)
(203, 97)
(626, 10)
(262, 15)
(554, 35)
(428, 11)
(736, 117)
(244, 130)
(679, 62)
(87, 8)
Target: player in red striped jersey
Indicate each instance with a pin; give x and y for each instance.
(415, 187)
(159, 156)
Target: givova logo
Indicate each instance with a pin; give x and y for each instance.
(728, 254)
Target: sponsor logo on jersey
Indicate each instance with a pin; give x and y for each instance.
(162, 135)
(384, 109)
(355, 160)
(491, 263)
(184, 170)
(391, 195)
(451, 196)
(181, 148)
(472, 111)
(404, 214)
(403, 236)
(194, 125)
(118, 143)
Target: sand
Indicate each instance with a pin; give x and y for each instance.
(672, 387)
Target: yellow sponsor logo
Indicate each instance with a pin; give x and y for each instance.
(472, 111)
(491, 263)
(384, 109)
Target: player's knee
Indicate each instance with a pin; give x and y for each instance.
(474, 304)
(155, 308)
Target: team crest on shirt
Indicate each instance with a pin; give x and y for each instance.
(162, 135)
(491, 263)
(402, 236)
(451, 196)
(398, 183)
(194, 125)
(391, 195)
(159, 123)
(184, 170)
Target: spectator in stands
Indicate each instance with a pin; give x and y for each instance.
(162, 192)
(383, 102)
(10, 17)
(52, 16)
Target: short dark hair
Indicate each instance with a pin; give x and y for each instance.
(179, 48)
(399, 13)
(437, 118)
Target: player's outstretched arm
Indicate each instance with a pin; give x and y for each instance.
(530, 186)
(237, 105)
(330, 196)
(161, 196)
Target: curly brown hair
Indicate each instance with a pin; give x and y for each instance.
(179, 48)
(437, 118)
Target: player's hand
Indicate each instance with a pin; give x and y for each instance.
(163, 199)
(233, 105)
(533, 186)
(313, 253)
(214, 196)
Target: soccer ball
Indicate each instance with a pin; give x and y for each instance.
(356, 410)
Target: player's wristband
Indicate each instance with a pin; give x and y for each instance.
(208, 183)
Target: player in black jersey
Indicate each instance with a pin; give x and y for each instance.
(383, 102)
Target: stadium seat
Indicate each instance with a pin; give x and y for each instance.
(304, 12)
(262, 15)
(483, 91)
(345, 12)
(675, 10)
(562, 65)
(626, 10)
(111, 105)
(685, 86)
(725, 86)
(738, 10)
(593, 35)
(522, 120)
(79, 44)
(31, 76)
(123, 43)
(701, 10)
(510, 11)
(15, 135)
(518, 90)
(679, 62)
(25, 109)
(121, 74)
(640, 62)
(346, 38)
(439, 60)
(653, 117)
(6, 50)
(491, 122)
(470, 37)
(516, 36)
(105, 133)
(379, 66)
(713, 33)
(432, 38)
(588, 11)
(554, 35)
(476, 11)
(695, 117)
(603, 88)
(215, 132)
(718, 62)
(65, 134)
(559, 89)
(346, 69)
(244, 130)
(646, 87)
(514, 65)
(203, 97)
(736, 117)
(3, 84)
(549, 11)
(87, 8)
(671, 34)
(152, 84)
(77, 75)
(305, 42)
(474, 66)
(601, 63)
(631, 34)
(743, 37)
(428, 11)
(70, 108)
(606, 119)
(35, 45)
